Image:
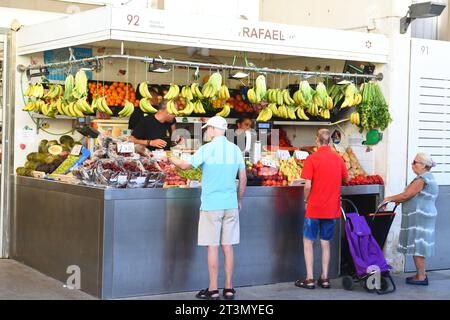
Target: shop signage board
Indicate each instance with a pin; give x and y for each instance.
(250, 35)
(159, 26)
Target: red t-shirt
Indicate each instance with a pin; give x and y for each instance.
(326, 170)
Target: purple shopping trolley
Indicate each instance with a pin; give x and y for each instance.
(371, 268)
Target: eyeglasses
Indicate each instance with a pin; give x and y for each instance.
(416, 162)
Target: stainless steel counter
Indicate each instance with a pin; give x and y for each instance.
(134, 242)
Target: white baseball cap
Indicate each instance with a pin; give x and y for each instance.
(216, 122)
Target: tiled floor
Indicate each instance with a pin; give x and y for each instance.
(21, 282)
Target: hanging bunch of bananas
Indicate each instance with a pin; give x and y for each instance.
(352, 97)
(283, 112)
(224, 93)
(275, 96)
(212, 87)
(196, 91)
(172, 108)
(325, 113)
(174, 91)
(287, 98)
(225, 111)
(307, 92)
(54, 91)
(265, 115)
(81, 85)
(188, 109)
(36, 91)
(260, 87)
(313, 109)
(198, 107)
(69, 86)
(187, 93)
(252, 96)
(127, 110)
(143, 90)
(30, 105)
(273, 107)
(355, 118)
(146, 106)
(99, 103)
(301, 114)
(299, 99)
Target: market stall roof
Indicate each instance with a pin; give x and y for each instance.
(178, 29)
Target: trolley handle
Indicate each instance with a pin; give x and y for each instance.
(352, 204)
(381, 212)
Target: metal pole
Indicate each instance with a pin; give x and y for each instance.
(191, 64)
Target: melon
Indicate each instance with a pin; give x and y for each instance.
(55, 150)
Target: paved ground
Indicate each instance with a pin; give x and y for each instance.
(20, 282)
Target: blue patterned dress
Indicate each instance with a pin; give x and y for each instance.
(417, 231)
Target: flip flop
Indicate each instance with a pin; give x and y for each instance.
(413, 281)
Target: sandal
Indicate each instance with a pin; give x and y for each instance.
(227, 295)
(324, 283)
(208, 295)
(307, 284)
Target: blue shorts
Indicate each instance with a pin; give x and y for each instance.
(323, 227)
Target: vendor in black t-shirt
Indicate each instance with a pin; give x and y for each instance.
(155, 130)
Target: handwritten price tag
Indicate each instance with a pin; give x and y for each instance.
(159, 154)
(76, 150)
(283, 154)
(269, 163)
(301, 155)
(126, 147)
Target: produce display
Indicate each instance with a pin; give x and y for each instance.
(373, 113)
(291, 169)
(50, 156)
(115, 93)
(352, 164)
(190, 174)
(260, 175)
(365, 180)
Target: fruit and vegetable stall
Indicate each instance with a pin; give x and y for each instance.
(123, 213)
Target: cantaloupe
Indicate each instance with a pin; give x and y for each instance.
(55, 150)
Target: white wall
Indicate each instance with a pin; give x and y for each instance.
(25, 17)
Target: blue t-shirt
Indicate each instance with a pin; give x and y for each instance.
(220, 161)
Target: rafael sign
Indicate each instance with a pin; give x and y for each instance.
(262, 33)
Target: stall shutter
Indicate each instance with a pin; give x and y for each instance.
(429, 114)
(429, 131)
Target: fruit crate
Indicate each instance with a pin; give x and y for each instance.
(122, 85)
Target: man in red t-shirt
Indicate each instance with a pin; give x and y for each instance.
(324, 172)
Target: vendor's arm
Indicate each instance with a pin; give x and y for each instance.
(410, 192)
(180, 163)
(156, 143)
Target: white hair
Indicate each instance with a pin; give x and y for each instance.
(425, 158)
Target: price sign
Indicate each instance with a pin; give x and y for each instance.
(122, 179)
(125, 147)
(159, 154)
(186, 156)
(283, 154)
(301, 155)
(269, 162)
(76, 150)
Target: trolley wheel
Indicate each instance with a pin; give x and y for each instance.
(384, 285)
(347, 283)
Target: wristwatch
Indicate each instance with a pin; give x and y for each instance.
(149, 142)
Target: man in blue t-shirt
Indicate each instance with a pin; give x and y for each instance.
(221, 198)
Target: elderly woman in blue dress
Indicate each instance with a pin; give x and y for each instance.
(419, 213)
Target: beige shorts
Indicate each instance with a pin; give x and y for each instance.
(218, 228)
